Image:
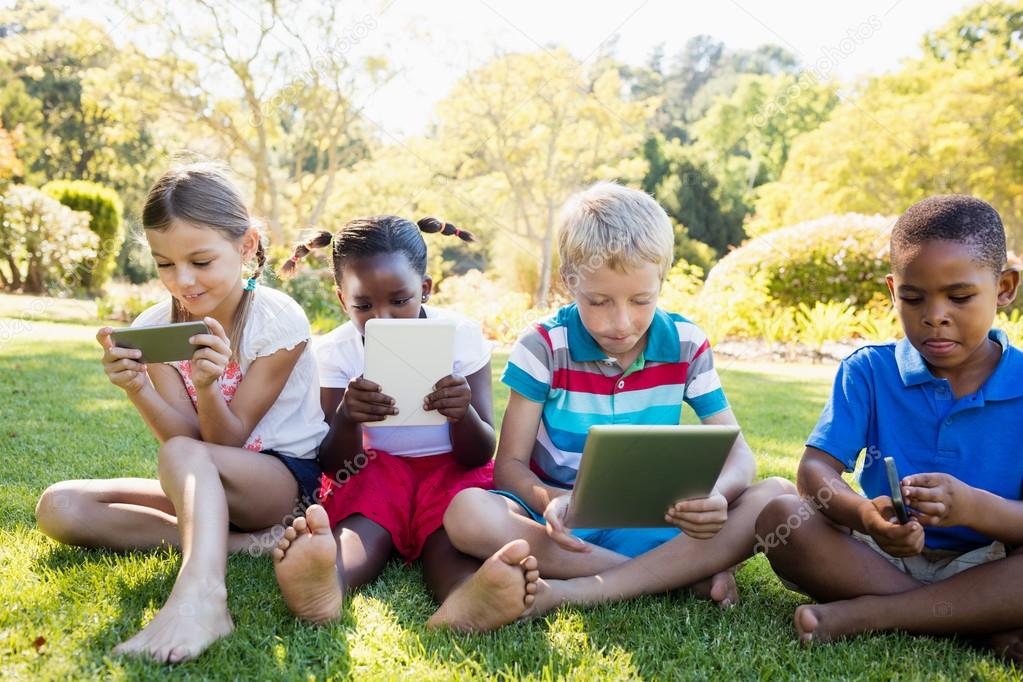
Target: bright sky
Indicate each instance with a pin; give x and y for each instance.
(432, 43)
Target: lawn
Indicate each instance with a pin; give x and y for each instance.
(63, 609)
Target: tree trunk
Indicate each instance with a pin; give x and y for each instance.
(15, 273)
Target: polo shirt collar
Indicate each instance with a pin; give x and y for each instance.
(662, 344)
(1003, 384)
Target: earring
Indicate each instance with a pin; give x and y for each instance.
(425, 297)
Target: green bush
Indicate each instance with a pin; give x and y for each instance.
(313, 289)
(836, 258)
(103, 204)
(43, 244)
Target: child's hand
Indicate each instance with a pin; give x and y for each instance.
(896, 538)
(122, 365)
(938, 499)
(555, 515)
(363, 402)
(451, 397)
(210, 361)
(701, 518)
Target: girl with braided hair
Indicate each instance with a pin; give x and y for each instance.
(238, 424)
(385, 490)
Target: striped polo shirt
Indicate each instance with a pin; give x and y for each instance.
(558, 363)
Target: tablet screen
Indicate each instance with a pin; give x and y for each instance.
(406, 358)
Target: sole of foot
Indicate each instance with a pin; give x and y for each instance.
(500, 592)
(305, 563)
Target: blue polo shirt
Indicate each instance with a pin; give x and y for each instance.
(886, 401)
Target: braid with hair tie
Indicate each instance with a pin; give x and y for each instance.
(431, 225)
(317, 241)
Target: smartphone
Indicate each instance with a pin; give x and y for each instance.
(161, 342)
(894, 482)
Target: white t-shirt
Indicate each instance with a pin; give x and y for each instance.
(293, 425)
(341, 356)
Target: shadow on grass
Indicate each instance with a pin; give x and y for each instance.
(268, 642)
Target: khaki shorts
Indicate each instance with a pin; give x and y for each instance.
(935, 565)
(931, 565)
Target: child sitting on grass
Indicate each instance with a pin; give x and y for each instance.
(611, 357)
(386, 489)
(238, 423)
(946, 404)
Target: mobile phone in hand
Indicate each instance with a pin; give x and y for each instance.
(894, 482)
(162, 342)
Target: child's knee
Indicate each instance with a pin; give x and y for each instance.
(59, 512)
(779, 523)
(775, 486)
(464, 513)
(179, 454)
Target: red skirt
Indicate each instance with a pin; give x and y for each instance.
(407, 496)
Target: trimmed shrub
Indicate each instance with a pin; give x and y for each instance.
(836, 258)
(103, 204)
(43, 244)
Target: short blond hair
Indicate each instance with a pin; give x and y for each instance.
(608, 224)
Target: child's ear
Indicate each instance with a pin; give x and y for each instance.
(250, 243)
(427, 288)
(570, 280)
(890, 281)
(1008, 284)
(341, 300)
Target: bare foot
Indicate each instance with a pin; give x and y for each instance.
(720, 588)
(194, 617)
(822, 622)
(305, 561)
(1008, 644)
(497, 594)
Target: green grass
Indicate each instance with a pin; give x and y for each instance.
(62, 419)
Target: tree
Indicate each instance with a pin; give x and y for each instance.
(289, 125)
(527, 130)
(10, 165)
(75, 100)
(703, 70)
(933, 128)
(991, 29)
(744, 139)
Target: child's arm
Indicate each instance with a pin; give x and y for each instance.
(515, 448)
(702, 518)
(156, 391)
(232, 424)
(468, 405)
(347, 410)
(943, 500)
(819, 479)
(512, 473)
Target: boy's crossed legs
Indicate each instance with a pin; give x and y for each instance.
(865, 592)
(477, 521)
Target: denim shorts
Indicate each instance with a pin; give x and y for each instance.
(630, 542)
(306, 473)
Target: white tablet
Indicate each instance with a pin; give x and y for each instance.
(630, 474)
(406, 358)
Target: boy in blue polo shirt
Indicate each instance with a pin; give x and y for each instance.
(610, 357)
(946, 403)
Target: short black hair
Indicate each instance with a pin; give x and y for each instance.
(954, 218)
